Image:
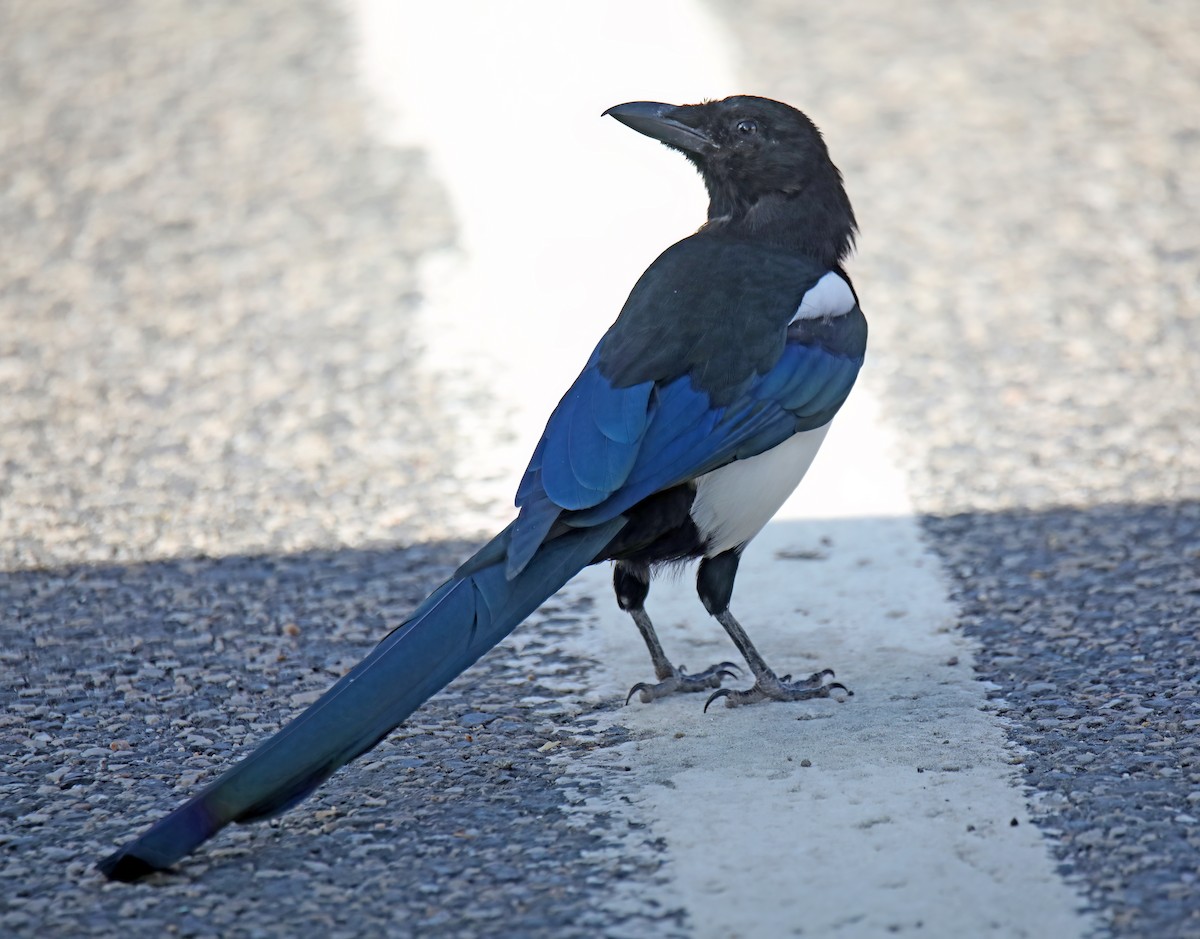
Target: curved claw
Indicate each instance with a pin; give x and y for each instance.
(719, 693)
(679, 681)
(771, 688)
(814, 680)
(640, 686)
(729, 669)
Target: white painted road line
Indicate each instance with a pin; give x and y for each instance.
(891, 810)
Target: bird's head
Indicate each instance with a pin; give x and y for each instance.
(765, 165)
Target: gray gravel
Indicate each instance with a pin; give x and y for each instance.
(1027, 177)
(206, 286)
(454, 826)
(205, 267)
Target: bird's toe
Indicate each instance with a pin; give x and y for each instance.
(681, 682)
(772, 688)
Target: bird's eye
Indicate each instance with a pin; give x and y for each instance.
(747, 127)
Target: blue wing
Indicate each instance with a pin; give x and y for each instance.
(650, 411)
(607, 448)
(686, 436)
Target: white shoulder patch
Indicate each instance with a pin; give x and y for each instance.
(829, 296)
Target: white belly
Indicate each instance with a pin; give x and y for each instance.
(733, 503)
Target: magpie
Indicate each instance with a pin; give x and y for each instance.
(696, 415)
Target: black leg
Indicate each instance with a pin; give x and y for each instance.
(714, 584)
(632, 584)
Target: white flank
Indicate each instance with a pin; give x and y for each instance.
(891, 813)
(734, 502)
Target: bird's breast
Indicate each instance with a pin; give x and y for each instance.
(733, 503)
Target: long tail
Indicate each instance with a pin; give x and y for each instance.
(459, 622)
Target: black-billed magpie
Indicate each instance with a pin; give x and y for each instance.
(693, 420)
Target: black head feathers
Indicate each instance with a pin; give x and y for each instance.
(765, 165)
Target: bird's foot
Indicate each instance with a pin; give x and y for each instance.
(681, 681)
(771, 688)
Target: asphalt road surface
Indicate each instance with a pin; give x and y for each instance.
(1032, 180)
(228, 466)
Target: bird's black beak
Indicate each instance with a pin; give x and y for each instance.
(662, 122)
